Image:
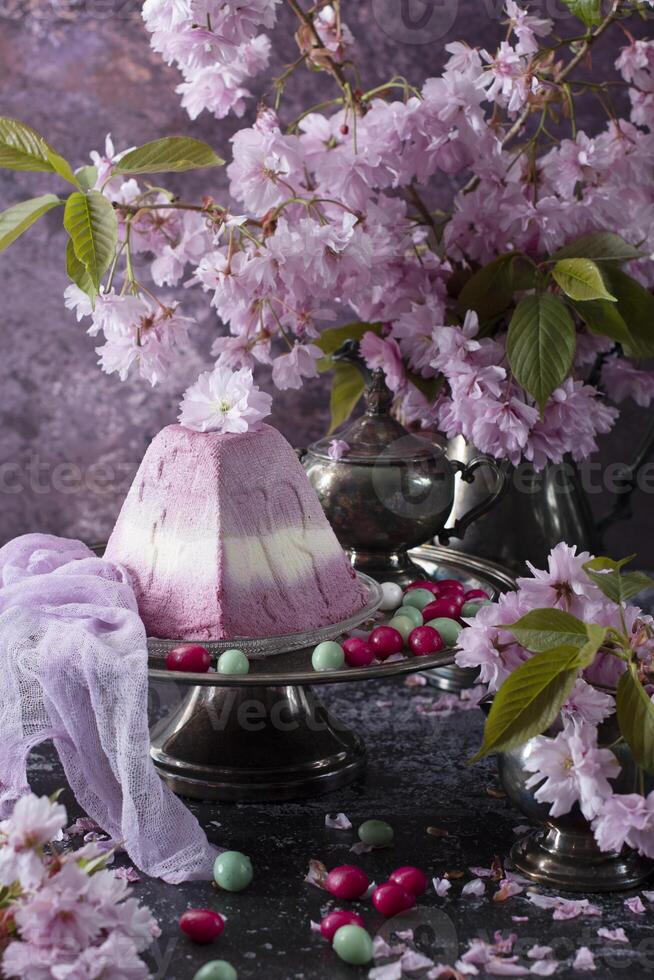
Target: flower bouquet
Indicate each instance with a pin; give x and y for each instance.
(507, 317)
(567, 658)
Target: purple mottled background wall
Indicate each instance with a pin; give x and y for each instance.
(70, 437)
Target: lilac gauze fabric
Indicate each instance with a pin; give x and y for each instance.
(74, 666)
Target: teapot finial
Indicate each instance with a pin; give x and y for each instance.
(378, 395)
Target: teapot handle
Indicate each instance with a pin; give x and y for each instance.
(467, 473)
(622, 508)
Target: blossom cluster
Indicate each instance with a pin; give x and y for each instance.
(570, 767)
(65, 915)
(333, 224)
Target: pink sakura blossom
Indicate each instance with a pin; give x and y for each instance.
(526, 27)
(441, 886)
(635, 905)
(507, 79)
(474, 888)
(267, 166)
(613, 935)
(224, 401)
(584, 960)
(384, 354)
(290, 369)
(626, 819)
(338, 448)
(563, 585)
(335, 35)
(563, 908)
(621, 379)
(571, 769)
(588, 704)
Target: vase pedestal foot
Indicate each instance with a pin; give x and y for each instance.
(255, 744)
(571, 861)
(452, 679)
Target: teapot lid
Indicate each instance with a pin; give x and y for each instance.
(376, 433)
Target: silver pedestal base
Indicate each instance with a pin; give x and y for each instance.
(573, 862)
(452, 679)
(255, 743)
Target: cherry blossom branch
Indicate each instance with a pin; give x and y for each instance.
(334, 68)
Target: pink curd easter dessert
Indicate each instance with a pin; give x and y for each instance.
(223, 536)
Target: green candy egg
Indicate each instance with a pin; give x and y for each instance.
(216, 970)
(328, 656)
(410, 612)
(232, 871)
(448, 628)
(403, 625)
(418, 598)
(233, 662)
(352, 944)
(471, 608)
(376, 833)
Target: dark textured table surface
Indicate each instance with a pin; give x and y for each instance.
(417, 778)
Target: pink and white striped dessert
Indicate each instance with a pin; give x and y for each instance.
(223, 537)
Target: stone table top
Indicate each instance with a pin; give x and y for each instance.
(417, 777)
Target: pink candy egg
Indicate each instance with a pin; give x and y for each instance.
(347, 881)
(202, 925)
(412, 880)
(334, 920)
(472, 594)
(423, 584)
(386, 641)
(358, 652)
(447, 607)
(391, 899)
(189, 657)
(424, 640)
(447, 585)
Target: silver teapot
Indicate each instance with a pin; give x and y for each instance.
(392, 490)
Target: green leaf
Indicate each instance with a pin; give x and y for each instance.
(588, 11)
(86, 177)
(172, 154)
(530, 699)
(22, 148)
(347, 388)
(636, 307)
(602, 564)
(603, 246)
(17, 219)
(541, 344)
(604, 318)
(78, 273)
(636, 718)
(92, 225)
(596, 637)
(620, 588)
(490, 290)
(581, 279)
(545, 629)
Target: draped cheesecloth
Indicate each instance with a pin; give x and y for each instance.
(74, 669)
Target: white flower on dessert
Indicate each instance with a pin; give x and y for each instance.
(224, 401)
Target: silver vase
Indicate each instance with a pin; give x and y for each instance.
(562, 852)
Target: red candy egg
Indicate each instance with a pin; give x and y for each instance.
(358, 653)
(447, 585)
(472, 594)
(447, 607)
(412, 880)
(391, 899)
(386, 641)
(334, 920)
(424, 640)
(189, 657)
(202, 925)
(423, 584)
(347, 881)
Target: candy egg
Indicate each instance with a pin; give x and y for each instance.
(391, 899)
(386, 641)
(202, 925)
(425, 640)
(412, 880)
(233, 662)
(391, 596)
(469, 609)
(232, 871)
(376, 833)
(352, 944)
(446, 585)
(449, 629)
(423, 584)
(410, 612)
(358, 652)
(328, 656)
(403, 625)
(347, 881)
(449, 607)
(216, 970)
(418, 598)
(475, 594)
(189, 657)
(333, 921)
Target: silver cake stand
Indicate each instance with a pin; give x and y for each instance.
(266, 735)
